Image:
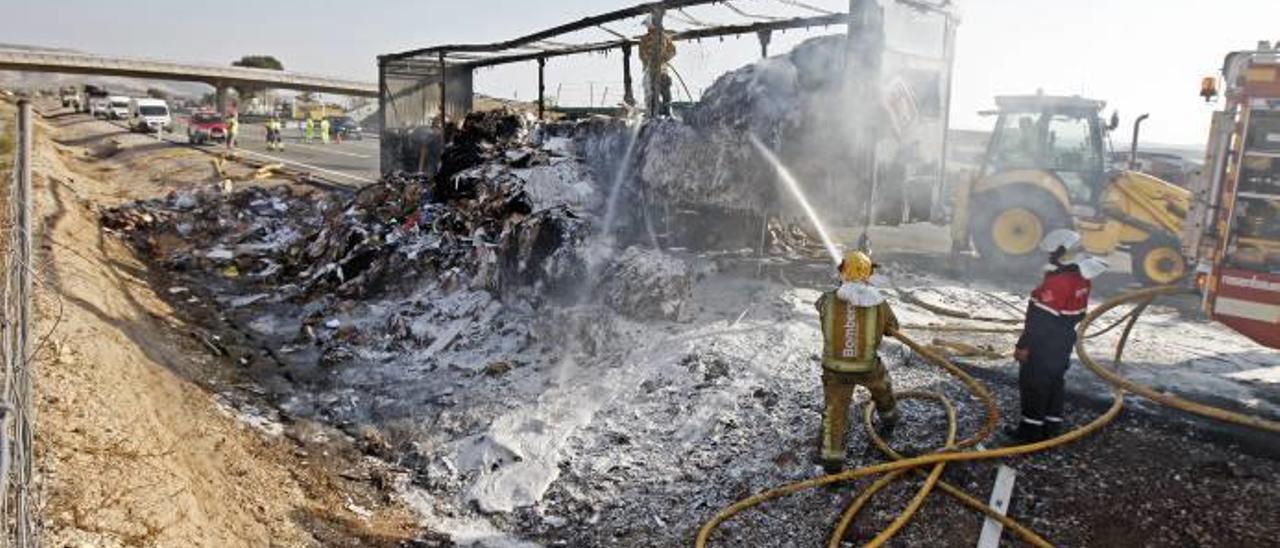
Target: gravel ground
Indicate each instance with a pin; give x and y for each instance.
(517, 421)
(648, 429)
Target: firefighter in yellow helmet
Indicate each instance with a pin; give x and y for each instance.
(855, 318)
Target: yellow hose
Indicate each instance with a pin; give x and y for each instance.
(979, 390)
(1170, 400)
(893, 470)
(901, 521)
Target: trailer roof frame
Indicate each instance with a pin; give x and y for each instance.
(538, 45)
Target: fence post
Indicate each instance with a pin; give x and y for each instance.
(25, 438)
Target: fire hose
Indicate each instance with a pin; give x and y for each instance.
(952, 450)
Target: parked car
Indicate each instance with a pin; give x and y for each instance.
(345, 126)
(205, 127)
(118, 107)
(149, 115)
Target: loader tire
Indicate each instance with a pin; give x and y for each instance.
(1009, 224)
(1158, 261)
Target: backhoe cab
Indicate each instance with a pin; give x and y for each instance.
(1046, 168)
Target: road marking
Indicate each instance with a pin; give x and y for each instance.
(174, 141)
(991, 529)
(329, 150)
(300, 164)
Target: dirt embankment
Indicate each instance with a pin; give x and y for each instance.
(142, 433)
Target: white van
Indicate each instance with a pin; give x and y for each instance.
(117, 107)
(149, 115)
(99, 107)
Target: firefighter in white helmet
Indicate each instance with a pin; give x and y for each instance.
(1049, 334)
(855, 318)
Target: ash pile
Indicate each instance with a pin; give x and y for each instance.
(441, 295)
(501, 215)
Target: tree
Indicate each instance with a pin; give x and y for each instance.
(259, 62)
(157, 93)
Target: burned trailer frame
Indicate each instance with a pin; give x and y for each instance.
(411, 94)
(423, 91)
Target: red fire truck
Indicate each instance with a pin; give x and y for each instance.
(1233, 227)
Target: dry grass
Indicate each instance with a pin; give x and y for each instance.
(6, 142)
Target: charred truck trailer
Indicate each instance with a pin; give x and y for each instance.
(860, 118)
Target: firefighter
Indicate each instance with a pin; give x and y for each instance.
(855, 318)
(324, 130)
(1049, 334)
(310, 129)
(656, 50)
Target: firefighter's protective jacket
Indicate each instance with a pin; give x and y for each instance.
(656, 50)
(1056, 306)
(852, 331)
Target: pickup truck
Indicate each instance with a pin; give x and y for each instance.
(205, 127)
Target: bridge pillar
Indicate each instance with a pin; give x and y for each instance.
(220, 96)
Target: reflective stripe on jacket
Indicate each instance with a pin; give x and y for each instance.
(852, 334)
(1056, 306)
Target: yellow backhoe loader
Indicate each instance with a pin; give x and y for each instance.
(1045, 168)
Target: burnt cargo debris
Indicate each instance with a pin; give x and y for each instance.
(791, 102)
(473, 225)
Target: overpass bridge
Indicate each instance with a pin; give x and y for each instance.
(219, 77)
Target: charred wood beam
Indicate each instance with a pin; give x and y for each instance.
(696, 34)
(542, 87)
(581, 24)
(765, 26)
(444, 97)
(628, 94)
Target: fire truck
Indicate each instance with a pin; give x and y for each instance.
(1233, 225)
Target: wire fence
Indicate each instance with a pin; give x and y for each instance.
(18, 498)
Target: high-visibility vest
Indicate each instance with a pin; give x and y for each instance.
(851, 335)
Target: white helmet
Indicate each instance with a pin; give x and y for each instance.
(1091, 267)
(1061, 237)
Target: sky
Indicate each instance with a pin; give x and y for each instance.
(1142, 56)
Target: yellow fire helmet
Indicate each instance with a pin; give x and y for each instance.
(856, 267)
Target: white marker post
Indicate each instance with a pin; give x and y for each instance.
(1000, 494)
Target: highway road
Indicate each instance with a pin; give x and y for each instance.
(350, 163)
